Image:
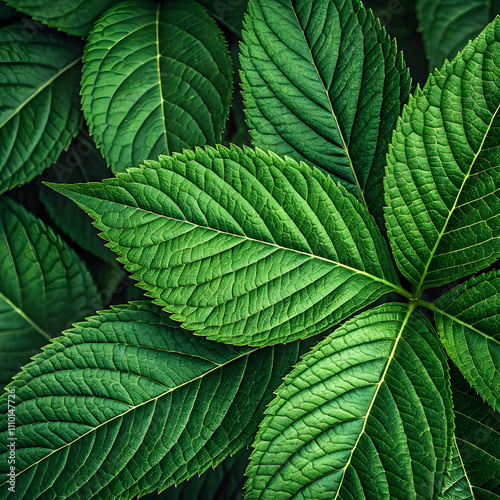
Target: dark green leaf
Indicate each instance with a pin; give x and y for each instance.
(468, 321)
(75, 17)
(39, 101)
(44, 287)
(447, 25)
(82, 163)
(157, 78)
(127, 403)
(474, 472)
(323, 83)
(243, 246)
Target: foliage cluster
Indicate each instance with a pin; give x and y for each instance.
(315, 258)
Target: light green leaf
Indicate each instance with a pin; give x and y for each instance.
(39, 101)
(365, 414)
(323, 83)
(443, 177)
(75, 17)
(447, 25)
(82, 163)
(157, 78)
(44, 287)
(476, 453)
(243, 246)
(127, 403)
(468, 319)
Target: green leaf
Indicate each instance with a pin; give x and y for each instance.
(443, 177)
(447, 25)
(39, 102)
(365, 414)
(243, 246)
(72, 16)
(467, 319)
(127, 403)
(157, 78)
(44, 287)
(476, 453)
(323, 83)
(82, 163)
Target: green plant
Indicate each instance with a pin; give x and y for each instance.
(335, 254)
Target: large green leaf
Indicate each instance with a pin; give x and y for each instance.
(474, 472)
(44, 287)
(366, 414)
(244, 247)
(443, 176)
(157, 78)
(127, 403)
(323, 83)
(75, 17)
(468, 320)
(447, 25)
(39, 101)
(81, 163)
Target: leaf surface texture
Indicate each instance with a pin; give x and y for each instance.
(39, 101)
(475, 469)
(447, 25)
(469, 327)
(323, 83)
(44, 287)
(442, 182)
(157, 78)
(243, 246)
(128, 403)
(75, 17)
(365, 414)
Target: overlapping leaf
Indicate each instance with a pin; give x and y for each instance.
(242, 246)
(44, 287)
(82, 163)
(468, 322)
(157, 78)
(127, 403)
(39, 101)
(447, 25)
(72, 16)
(323, 83)
(443, 176)
(366, 414)
(474, 472)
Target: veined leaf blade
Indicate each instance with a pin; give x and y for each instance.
(467, 319)
(367, 413)
(443, 177)
(71, 16)
(323, 83)
(170, 89)
(243, 246)
(44, 287)
(128, 403)
(447, 25)
(39, 101)
(476, 453)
